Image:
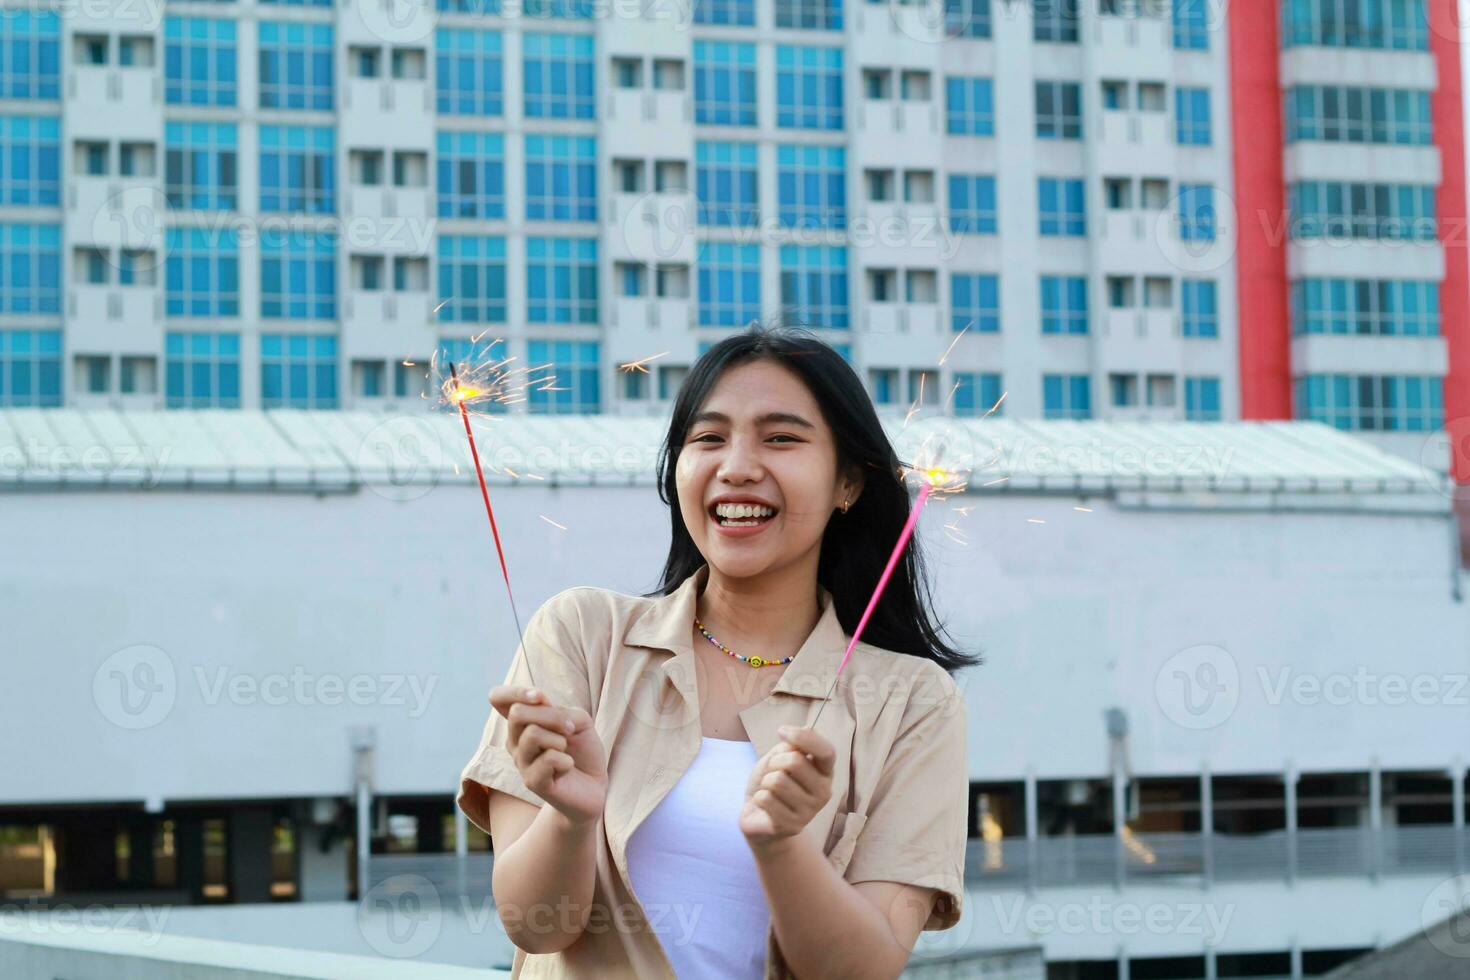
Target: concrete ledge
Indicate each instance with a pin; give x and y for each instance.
(35, 950)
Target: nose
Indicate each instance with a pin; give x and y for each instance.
(740, 463)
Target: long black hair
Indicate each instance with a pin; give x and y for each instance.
(856, 545)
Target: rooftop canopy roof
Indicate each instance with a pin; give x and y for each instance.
(335, 451)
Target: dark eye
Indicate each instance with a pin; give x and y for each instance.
(792, 438)
(707, 435)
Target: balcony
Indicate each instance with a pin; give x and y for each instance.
(104, 317)
(901, 132)
(398, 203)
(643, 106)
(124, 103)
(639, 313)
(653, 227)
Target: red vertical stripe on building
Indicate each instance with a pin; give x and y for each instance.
(1447, 110)
(1262, 291)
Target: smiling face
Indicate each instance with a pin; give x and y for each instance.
(758, 472)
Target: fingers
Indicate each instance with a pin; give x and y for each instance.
(504, 695)
(535, 742)
(798, 768)
(776, 807)
(805, 740)
(786, 788)
(541, 773)
(546, 716)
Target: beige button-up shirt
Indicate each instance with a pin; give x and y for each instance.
(900, 792)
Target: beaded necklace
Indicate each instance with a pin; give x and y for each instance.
(752, 661)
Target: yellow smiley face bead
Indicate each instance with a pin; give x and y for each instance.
(756, 662)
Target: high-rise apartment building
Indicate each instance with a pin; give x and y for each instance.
(1129, 208)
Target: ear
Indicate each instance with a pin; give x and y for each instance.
(852, 484)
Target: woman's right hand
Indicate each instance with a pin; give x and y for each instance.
(557, 751)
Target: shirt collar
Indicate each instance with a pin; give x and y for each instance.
(667, 623)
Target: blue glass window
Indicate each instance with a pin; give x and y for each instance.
(30, 160)
(298, 370)
(1397, 25)
(814, 285)
(732, 13)
(1066, 396)
(1366, 307)
(975, 302)
(1200, 317)
(808, 87)
(977, 393)
(816, 15)
(724, 84)
(1192, 116)
(471, 168)
(561, 178)
(298, 169)
(1055, 21)
(200, 165)
(30, 368)
(969, 106)
(811, 184)
(1063, 304)
(1202, 399)
(727, 184)
(1058, 110)
(575, 371)
(1372, 402)
(202, 272)
(1354, 114)
(472, 279)
(295, 65)
(729, 284)
(1063, 207)
(30, 268)
(967, 18)
(972, 208)
(30, 55)
(468, 68)
(1364, 210)
(1191, 25)
(199, 61)
(561, 280)
(1197, 212)
(557, 73)
(201, 370)
(298, 275)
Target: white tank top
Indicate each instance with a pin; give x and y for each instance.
(693, 872)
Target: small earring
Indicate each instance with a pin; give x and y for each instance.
(844, 505)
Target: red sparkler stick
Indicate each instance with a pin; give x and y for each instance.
(490, 512)
(903, 540)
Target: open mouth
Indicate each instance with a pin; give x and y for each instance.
(741, 515)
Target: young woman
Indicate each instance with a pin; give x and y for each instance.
(660, 802)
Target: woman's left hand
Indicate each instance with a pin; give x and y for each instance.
(787, 787)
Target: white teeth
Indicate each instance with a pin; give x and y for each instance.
(739, 511)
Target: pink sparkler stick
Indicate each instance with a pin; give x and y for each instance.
(490, 512)
(903, 540)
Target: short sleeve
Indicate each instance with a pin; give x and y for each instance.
(916, 826)
(558, 666)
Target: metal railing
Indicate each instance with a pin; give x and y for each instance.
(1089, 859)
(1284, 855)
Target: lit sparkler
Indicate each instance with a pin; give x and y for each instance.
(933, 480)
(461, 394)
